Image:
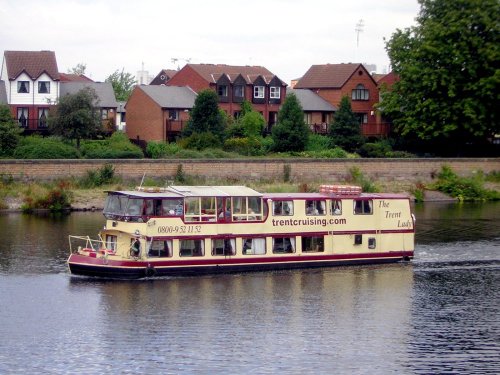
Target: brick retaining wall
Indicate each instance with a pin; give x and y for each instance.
(301, 170)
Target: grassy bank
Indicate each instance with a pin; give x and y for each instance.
(88, 192)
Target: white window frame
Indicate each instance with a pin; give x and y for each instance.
(258, 92)
(274, 92)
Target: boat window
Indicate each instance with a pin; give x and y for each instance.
(283, 245)
(134, 207)
(315, 207)
(114, 205)
(336, 208)
(254, 246)
(160, 248)
(247, 208)
(191, 248)
(111, 242)
(223, 246)
(172, 207)
(208, 209)
(313, 244)
(192, 209)
(283, 208)
(363, 207)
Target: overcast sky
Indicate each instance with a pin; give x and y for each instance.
(285, 36)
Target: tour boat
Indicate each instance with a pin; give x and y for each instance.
(192, 230)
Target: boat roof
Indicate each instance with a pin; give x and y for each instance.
(283, 196)
(190, 191)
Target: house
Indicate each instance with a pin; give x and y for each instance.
(31, 80)
(163, 77)
(70, 77)
(333, 81)
(234, 84)
(3, 93)
(318, 113)
(106, 100)
(158, 113)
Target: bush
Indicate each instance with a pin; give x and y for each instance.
(358, 178)
(244, 146)
(35, 147)
(317, 142)
(57, 198)
(375, 150)
(159, 150)
(99, 177)
(118, 146)
(200, 141)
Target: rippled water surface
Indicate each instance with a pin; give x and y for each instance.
(438, 314)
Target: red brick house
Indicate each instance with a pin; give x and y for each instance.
(157, 112)
(234, 84)
(333, 81)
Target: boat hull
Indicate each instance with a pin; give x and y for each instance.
(128, 269)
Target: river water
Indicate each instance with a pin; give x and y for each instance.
(438, 314)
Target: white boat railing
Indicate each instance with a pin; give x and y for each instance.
(84, 243)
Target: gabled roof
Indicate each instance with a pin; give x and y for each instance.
(212, 72)
(389, 79)
(310, 101)
(3, 93)
(33, 63)
(170, 96)
(164, 76)
(328, 76)
(104, 91)
(69, 77)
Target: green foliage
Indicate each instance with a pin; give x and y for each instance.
(9, 132)
(493, 176)
(55, 199)
(180, 177)
(79, 69)
(160, 150)
(250, 146)
(463, 188)
(290, 133)
(76, 116)
(118, 146)
(253, 124)
(200, 141)
(317, 142)
(36, 147)
(246, 107)
(123, 84)
(345, 130)
(205, 116)
(95, 178)
(448, 70)
(287, 172)
(358, 178)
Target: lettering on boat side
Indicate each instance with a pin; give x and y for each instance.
(181, 229)
(315, 221)
(390, 214)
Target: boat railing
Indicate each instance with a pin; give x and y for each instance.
(85, 244)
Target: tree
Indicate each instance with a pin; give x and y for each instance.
(77, 116)
(10, 132)
(449, 72)
(205, 116)
(123, 84)
(79, 69)
(345, 130)
(253, 124)
(290, 133)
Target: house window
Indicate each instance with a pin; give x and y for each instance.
(42, 117)
(239, 91)
(23, 87)
(254, 246)
(258, 92)
(44, 87)
(362, 117)
(222, 90)
(173, 114)
(104, 114)
(275, 92)
(22, 117)
(360, 93)
(363, 207)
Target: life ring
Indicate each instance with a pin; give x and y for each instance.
(150, 271)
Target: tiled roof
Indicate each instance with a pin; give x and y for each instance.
(310, 101)
(164, 76)
(170, 96)
(212, 72)
(3, 93)
(389, 79)
(327, 76)
(68, 77)
(104, 91)
(34, 63)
